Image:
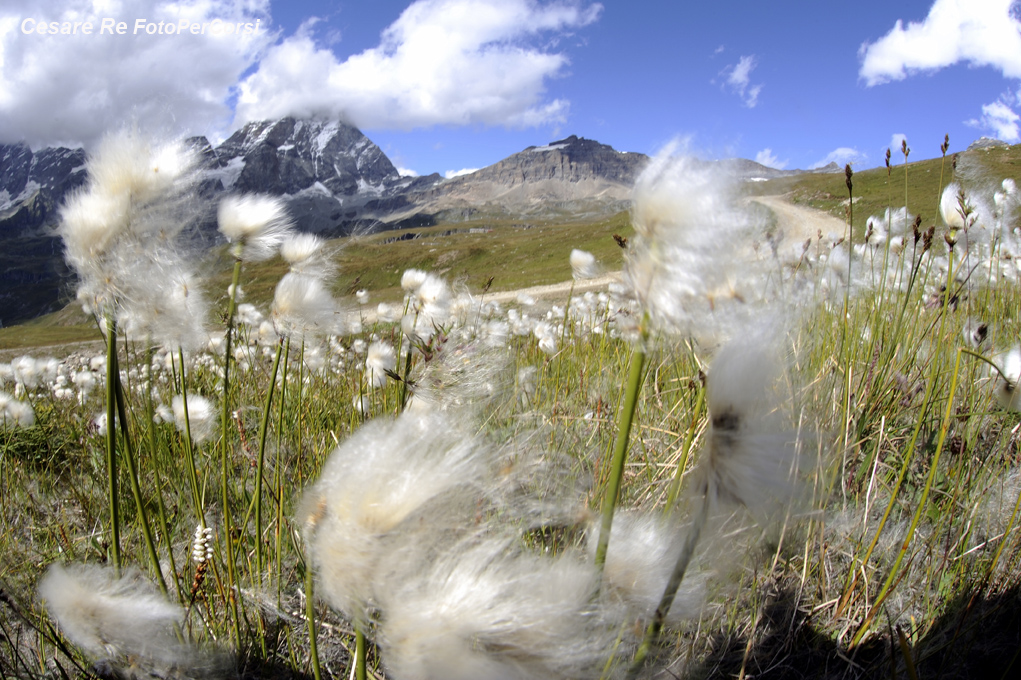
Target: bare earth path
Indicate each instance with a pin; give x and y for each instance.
(798, 222)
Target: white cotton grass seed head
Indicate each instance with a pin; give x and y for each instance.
(129, 163)
(15, 413)
(380, 358)
(120, 619)
(640, 558)
(583, 265)
(689, 263)
(305, 254)
(381, 475)
(303, 306)
(255, 224)
(950, 207)
(200, 413)
(485, 609)
(1005, 380)
(412, 279)
(750, 459)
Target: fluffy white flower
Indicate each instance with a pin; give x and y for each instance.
(255, 224)
(121, 619)
(385, 472)
(689, 263)
(200, 414)
(486, 610)
(380, 358)
(15, 413)
(583, 265)
(640, 558)
(1005, 386)
(302, 305)
(750, 459)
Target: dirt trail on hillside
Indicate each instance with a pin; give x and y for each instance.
(798, 223)
(795, 223)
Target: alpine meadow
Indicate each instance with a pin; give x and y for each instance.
(730, 444)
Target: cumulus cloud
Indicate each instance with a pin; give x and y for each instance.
(406, 172)
(70, 89)
(841, 156)
(442, 62)
(978, 32)
(449, 62)
(768, 158)
(738, 80)
(999, 119)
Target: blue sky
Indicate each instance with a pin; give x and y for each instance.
(447, 85)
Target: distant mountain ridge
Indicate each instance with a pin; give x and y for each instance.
(335, 181)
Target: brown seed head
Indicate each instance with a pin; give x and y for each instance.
(945, 145)
(848, 173)
(927, 238)
(888, 161)
(916, 227)
(904, 149)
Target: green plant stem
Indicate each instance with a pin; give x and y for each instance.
(626, 417)
(228, 529)
(153, 449)
(359, 653)
(675, 486)
(277, 471)
(263, 429)
(136, 491)
(189, 451)
(112, 379)
(310, 618)
(676, 577)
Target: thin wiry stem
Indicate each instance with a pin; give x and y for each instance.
(112, 378)
(920, 507)
(224, 468)
(676, 577)
(263, 429)
(627, 413)
(310, 618)
(189, 452)
(136, 491)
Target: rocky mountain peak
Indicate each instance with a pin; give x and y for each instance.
(573, 159)
(288, 156)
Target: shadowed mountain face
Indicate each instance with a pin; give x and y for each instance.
(335, 181)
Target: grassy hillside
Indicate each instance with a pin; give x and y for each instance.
(918, 182)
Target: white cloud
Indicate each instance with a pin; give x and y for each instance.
(841, 156)
(738, 80)
(767, 158)
(442, 62)
(70, 89)
(999, 119)
(979, 32)
(896, 140)
(451, 174)
(406, 172)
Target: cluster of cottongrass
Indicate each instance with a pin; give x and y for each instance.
(459, 540)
